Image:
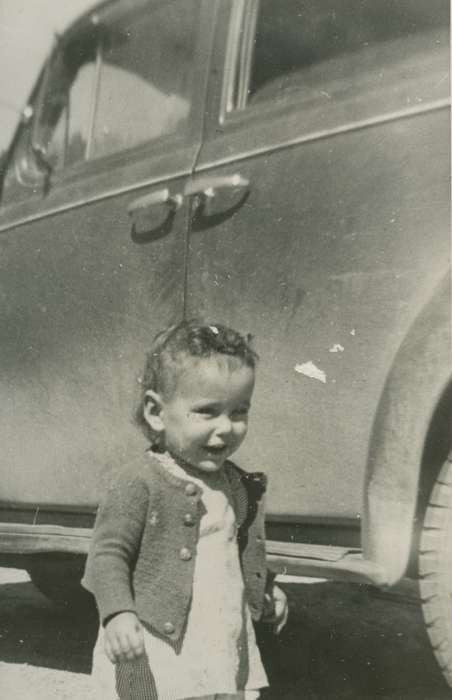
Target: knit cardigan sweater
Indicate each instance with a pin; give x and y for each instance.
(143, 549)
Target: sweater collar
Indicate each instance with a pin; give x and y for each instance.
(258, 480)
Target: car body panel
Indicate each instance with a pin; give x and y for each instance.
(329, 261)
(82, 294)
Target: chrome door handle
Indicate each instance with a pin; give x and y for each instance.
(150, 225)
(208, 186)
(216, 199)
(155, 199)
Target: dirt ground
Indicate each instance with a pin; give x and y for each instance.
(342, 642)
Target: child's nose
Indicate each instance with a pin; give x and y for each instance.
(223, 426)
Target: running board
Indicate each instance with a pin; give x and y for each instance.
(290, 558)
(17, 538)
(323, 561)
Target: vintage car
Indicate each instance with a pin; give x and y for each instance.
(282, 167)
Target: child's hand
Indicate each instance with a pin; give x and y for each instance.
(279, 610)
(124, 638)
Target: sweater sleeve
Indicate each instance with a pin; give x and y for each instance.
(115, 544)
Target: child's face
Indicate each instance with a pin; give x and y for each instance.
(206, 418)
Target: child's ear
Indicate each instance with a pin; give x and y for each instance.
(152, 411)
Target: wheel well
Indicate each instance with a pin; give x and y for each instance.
(437, 446)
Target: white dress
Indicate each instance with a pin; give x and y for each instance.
(219, 653)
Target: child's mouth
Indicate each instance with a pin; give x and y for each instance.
(216, 450)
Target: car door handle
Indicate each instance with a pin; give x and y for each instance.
(155, 199)
(149, 225)
(216, 199)
(208, 187)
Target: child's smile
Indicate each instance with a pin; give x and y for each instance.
(206, 418)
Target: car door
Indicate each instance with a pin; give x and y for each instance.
(93, 230)
(316, 218)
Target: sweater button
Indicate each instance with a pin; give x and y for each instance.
(168, 628)
(189, 519)
(190, 489)
(185, 554)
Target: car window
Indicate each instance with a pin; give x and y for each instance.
(66, 142)
(308, 50)
(145, 83)
(112, 84)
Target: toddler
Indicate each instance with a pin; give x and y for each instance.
(177, 559)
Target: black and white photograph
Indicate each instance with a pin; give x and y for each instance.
(225, 350)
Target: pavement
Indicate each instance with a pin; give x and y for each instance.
(343, 641)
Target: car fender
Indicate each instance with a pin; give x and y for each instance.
(418, 377)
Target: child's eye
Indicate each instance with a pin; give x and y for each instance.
(204, 411)
(240, 412)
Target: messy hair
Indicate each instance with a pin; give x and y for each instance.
(170, 349)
